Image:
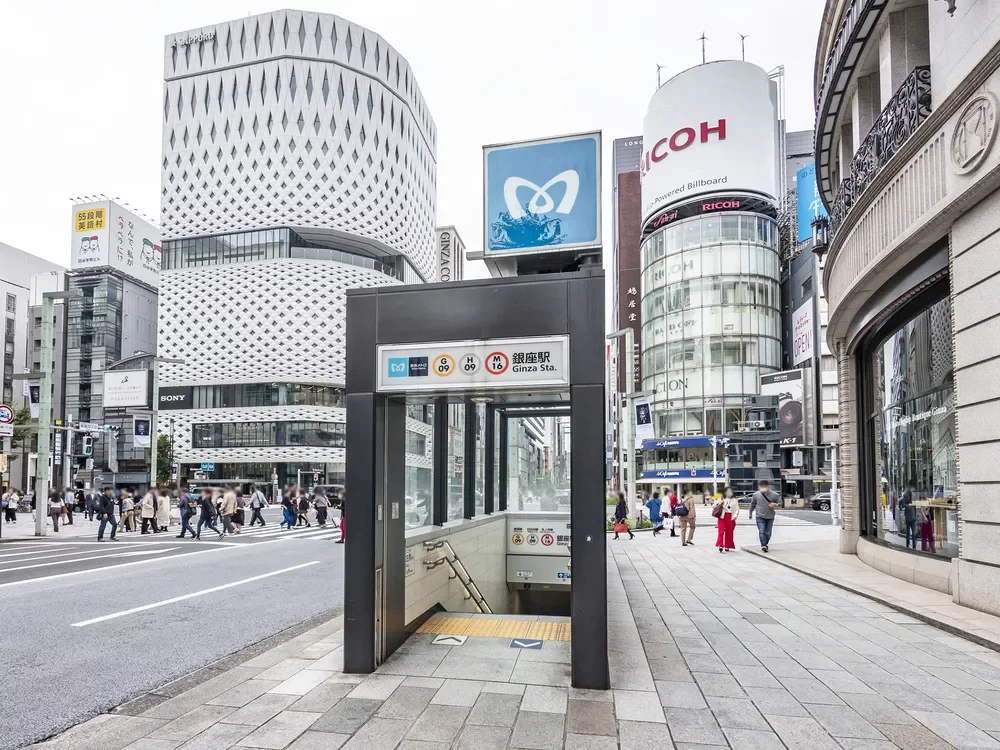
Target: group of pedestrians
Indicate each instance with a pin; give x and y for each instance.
(296, 504)
(682, 513)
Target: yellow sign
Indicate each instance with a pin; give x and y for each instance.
(89, 220)
(443, 365)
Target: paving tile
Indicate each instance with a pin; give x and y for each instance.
(457, 666)
(192, 723)
(483, 738)
(260, 710)
(243, 693)
(322, 697)
(430, 682)
(721, 685)
(532, 673)
(636, 705)
(590, 717)
(750, 677)
(149, 744)
(752, 739)
(376, 687)
(676, 671)
(302, 682)
(841, 721)
(877, 709)
(850, 743)
(510, 688)
(281, 730)
(955, 730)
(494, 709)
(420, 745)
(545, 699)
(810, 691)
(736, 713)
(438, 723)
(800, 733)
(841, 681)
(706, 663)
(538, 731)
(284, 669)
(379, 734)
(406, 703)
(319, 741)
(218, 737)
(590, 742)
(417, 664)
(458, 693)
(784, 667)
(694, 726)
(601, 696)
(679, 694)
(347, 716)
(912, 737)
(638, 735)
(976, 713)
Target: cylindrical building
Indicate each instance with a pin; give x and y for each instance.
(710, 268)
(298, 161)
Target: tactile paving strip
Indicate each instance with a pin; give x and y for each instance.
(485, 627)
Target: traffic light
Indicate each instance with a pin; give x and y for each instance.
(87, 446)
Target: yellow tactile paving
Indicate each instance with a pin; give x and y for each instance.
(485, 627)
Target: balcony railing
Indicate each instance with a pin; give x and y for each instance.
(909, 106)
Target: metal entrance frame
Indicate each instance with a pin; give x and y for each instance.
(569, 304)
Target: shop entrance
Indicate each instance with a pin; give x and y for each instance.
(528, 354)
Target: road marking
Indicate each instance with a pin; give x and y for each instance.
(525, 643)
(449, 640)
(192, 595)
(43, 555)
(84, 559)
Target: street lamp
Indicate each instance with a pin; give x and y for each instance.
(820, 235)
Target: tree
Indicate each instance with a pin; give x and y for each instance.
(163, 459)
(21, 433)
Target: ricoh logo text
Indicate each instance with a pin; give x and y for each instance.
(681, 140)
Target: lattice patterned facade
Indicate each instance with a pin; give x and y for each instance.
(302, 120)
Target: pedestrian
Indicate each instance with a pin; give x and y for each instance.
(672, 500)
(763, 502)
(106, 512)
(9, 503)
(655, 504)
(186, 505)
(238, 516)
(322, 505)
(288, 507)
(686, 516)
(343, 516)
(162, 509)
(93, 503)
(257, 503)
(128, 512)
(621, 516)
(303, 509)
(726, 508)
(56, 507)
(906, 501)
(208, 513)
(147, 512)
(228, 510)
(69, 501)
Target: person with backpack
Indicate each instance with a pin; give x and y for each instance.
(621, 516)
(186, 505)
(654, 504)
(208, 514)
(763, 502)
(685, 512)
(257, 503)
(672, 501)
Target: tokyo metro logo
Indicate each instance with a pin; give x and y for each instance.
(541, 202)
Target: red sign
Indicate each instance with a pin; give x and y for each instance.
(497, 363)
(680, 141)
(548, 540)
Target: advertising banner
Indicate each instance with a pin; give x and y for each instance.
(108, 235)
(174, 397)
(810, 206)
(710, 129)
(803, 333)
(34, 397)
(684, 474)
(695, 441)
(542, 195)
(141, 431)
(471, 365)
(643, 419)
(126, 388)
(787, 386)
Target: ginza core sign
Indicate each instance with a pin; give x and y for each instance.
(710, 129)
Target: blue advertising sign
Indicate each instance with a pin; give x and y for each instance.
(542, 195)
(207, 466)
(684, 474)
(809, 204)
(696, 441)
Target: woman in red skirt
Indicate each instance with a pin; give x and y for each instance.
(726, 509)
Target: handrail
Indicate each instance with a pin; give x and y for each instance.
(460, 572)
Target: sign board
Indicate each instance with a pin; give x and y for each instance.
(712, 128)
(141, 431)
(542, 195)
(803, 333)
(538, 534)
(57, 446)
(809, 204)
(787, 386)
(207, 466)
(34, 397)
(174, 397)
(6, 421)
(694, 441)
(105, 234)
(643, 419)
(89, 427)
(541, 361)
(450, 254)
(127, 388)
(685, 474)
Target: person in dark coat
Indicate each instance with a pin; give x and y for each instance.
(621, 514)
(106, 512)
(208, 513)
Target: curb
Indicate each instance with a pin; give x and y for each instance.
(915, 614)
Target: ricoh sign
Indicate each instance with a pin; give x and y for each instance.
(710, 129)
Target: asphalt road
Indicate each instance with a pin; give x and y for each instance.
(75, 646)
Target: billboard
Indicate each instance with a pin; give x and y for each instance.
(810, 205)
(803, 333)
(626, 220)
(542, 195)
(127, 388)
(711, 128)
(787, 387)
(450, 254)
(107, 235)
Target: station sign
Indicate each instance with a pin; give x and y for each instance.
(532, 362)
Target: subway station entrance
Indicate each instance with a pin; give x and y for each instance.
(525, 356)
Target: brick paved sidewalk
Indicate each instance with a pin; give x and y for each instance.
(706, 650)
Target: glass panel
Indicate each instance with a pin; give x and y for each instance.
(539, 456)
(480, 502)
(419, 488)
(456, 461)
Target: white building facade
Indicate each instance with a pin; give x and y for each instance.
(298, 162)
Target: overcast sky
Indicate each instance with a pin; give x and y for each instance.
(81, 111)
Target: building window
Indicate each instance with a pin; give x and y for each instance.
(269, 434)
(11, 303)
(910, 483)
(416, 443)
(10, 327)
(807, 286)
(829, 393)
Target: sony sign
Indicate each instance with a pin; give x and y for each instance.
(183, 41)
(174, 397)
(451, 254)
(711, 128)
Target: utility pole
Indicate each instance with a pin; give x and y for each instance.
(743, 47)
(703, 39)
